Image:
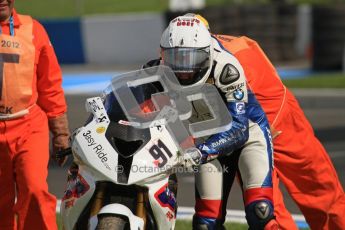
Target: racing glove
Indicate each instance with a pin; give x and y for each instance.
(191, 157)
(58, 126)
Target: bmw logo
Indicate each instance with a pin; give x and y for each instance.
(238, 94)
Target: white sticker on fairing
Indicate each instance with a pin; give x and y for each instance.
(96, 107)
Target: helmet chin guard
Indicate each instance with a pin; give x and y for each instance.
(186, 47)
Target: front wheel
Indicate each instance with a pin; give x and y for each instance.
(112, 222)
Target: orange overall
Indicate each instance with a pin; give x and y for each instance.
(301, 161)
(30, 92)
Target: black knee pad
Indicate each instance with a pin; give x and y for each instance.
(202, 223)
(259, 213)
(199, 226)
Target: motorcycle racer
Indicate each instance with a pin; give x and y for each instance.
(196, 57)
(322, 206)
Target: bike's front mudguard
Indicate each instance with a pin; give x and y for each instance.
(136, 223)
(162, 202)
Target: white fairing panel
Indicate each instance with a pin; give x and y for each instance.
(158, 156)
(73, 205)
(163, 204)
(90, 145)
(94, 150)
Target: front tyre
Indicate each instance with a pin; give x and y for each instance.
(112, 222)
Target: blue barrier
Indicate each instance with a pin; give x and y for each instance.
(66, 37)
(88, 82)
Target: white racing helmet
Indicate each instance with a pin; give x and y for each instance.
(186, 47)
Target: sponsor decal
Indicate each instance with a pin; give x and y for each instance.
(220, 142)
(101, 119)
(240, 108)
(100, 129)
(123, 122)
(100, 153)
(234, 87)
(229, 74)
(94, 106)
(159, 128)
(128, 123)
(166, 198)
(97, 148)
(69, 203)
(186, 22)
(262, 210)
(90, 140)
(224, 140)
(75, 188)
(169, 215)
(238, 94)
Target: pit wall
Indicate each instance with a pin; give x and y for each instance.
(285, 32)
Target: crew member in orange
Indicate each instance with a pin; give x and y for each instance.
(301, 162)
(31, 103)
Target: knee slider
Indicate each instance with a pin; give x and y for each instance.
(259, 213)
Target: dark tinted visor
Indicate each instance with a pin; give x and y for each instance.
(186, 59)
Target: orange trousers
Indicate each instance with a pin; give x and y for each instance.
(304, 167)
(24, 156)
(283, 216)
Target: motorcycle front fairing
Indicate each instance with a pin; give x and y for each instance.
(136, 141)
(97, 151)
(90, 152)
(115, 150)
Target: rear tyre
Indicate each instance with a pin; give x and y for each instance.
(112, 222)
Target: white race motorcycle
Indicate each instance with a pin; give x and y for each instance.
(122, 174)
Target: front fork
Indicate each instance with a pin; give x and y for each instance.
(142, 204)
(141, 208)
(100, 197)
